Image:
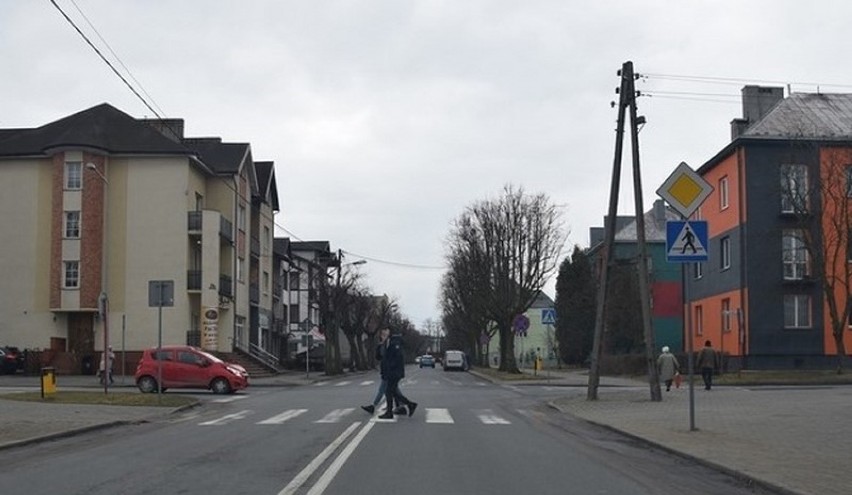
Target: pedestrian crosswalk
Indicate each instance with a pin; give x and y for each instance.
(431, 415)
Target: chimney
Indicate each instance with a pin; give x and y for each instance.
(757, 102)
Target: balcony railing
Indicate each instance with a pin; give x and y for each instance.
(193, 280)
(194, 221)
(226, 229)
(226, 286)
(193, 337)
(255, 247)
(254, 293)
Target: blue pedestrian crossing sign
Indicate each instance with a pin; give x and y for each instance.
(548, 316)
(686, 241)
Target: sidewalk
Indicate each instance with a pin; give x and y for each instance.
(792, 439)
(28, 422)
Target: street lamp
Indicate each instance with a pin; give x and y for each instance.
(103, 299)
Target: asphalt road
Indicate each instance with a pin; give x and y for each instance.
(467, 436)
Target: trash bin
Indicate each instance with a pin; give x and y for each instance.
(88, 365)
(48, 381)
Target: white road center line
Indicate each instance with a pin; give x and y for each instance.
(329, 474)
(306, 473)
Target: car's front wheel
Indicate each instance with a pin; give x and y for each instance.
(147, 384)
(220, 386)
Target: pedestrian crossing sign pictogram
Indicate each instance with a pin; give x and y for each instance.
(686, 241)
(548, 316)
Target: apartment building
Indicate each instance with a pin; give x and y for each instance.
(101, 203)
(779, 228)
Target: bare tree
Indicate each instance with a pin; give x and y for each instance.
(519, 237)
(818, 245)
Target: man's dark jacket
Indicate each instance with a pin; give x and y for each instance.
(393, 359)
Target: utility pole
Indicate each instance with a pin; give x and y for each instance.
(627, 100)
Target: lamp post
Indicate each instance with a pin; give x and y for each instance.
(103, 299)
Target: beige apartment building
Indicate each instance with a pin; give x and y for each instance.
(100, 202)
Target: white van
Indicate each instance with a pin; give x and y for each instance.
(454, 360)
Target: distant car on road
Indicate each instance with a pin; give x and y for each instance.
(454, 360)
(188, 367)
(427, 360)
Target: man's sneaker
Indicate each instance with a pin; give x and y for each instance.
(370, 409)
(400, 410)
(411, 408)
(387, 415)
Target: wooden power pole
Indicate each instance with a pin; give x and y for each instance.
(627, 101)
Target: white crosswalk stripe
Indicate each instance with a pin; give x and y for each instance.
(285, 416)
(226, 419)
(488, 417)
(232, 398)
(335, 416)
(367, 382)
(342, 384)
(437, 415)
(433, 415)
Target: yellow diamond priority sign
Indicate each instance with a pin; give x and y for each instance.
(685, 190)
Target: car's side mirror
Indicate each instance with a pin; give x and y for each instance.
(204, 363)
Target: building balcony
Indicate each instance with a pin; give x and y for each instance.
(254, 293)
(193, 337)
(255, 247)
(194, 221)
(226, 230)
(226, 286)
(193, 280)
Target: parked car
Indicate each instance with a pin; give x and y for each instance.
(12, 360)
(454, 360)
(188, 367)
(427, 360)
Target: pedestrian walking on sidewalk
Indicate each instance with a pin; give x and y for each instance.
(393, 370)
(105, 366)
(708, 362)
(668, 366)
(383, 384)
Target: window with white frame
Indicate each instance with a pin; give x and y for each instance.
(725, 253)
(72, 224)
(797, 311)
(72, 275)
(794, 255)
(726, 315)
(699, 320)
(723, 192)
(73, 175)
(794, 188)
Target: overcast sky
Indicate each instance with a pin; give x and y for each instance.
(386, 119)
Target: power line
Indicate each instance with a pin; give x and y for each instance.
(735, 81)
(395, 263)
(101, 55)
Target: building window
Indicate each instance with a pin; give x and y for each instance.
(849, 181)
(241, 218)
(294, 281)
(294, 313)
(726, 315)
(794, 255)
(73, 175)
(266, 282)
(267, 236)
(725, 252)
(699, 271)
(794, 189)
(72, 275)
(241, 269)
(723, 192)
(72, 224)
(797, 311)
(699, 320)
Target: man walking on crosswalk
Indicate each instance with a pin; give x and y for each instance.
(393, 370)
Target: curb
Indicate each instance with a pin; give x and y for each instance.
(749, 481)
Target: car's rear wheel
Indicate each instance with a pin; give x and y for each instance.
(220, 386)
(147, 384)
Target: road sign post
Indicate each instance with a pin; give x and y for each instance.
(160, 293)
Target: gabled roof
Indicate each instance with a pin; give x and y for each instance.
(222, 158)
(267, 188)
(103, 128)
(818, 116)
(655, 225)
